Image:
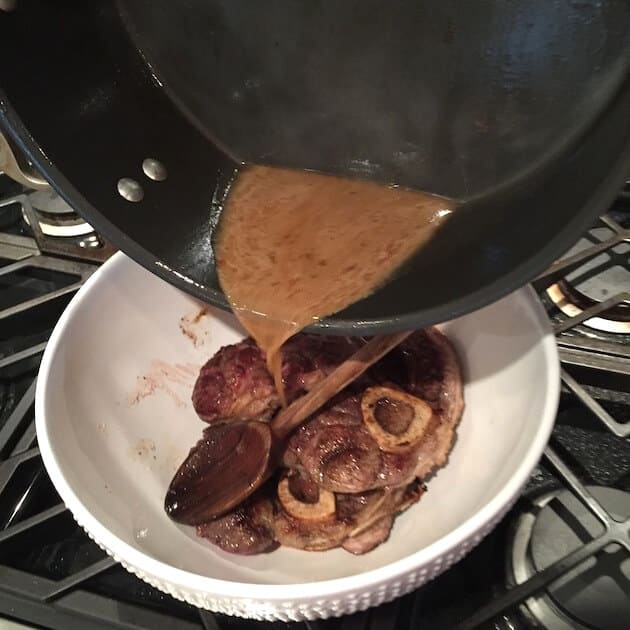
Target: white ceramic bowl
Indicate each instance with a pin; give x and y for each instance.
(114, 421)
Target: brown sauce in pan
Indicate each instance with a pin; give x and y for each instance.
(295, 246)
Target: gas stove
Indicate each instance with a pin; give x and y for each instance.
(560, 558)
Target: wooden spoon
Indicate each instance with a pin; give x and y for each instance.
(232, 460)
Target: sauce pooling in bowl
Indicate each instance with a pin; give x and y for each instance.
(295, 246)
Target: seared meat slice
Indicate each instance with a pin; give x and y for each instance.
(311, 518)
(337, 450)
(247, 530)
(336, 447)
(367, 508)
(236, 385)
(424, 365)
(307, 359)
(358, 522)
(371, 537)
(299, 514)
(435, 376)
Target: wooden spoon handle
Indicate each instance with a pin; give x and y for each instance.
(300, 409)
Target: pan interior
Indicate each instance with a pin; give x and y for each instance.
(449, 97)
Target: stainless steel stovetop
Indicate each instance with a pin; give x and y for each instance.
(560, 559)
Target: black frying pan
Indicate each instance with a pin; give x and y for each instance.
(521, 110)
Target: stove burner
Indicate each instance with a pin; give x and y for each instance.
(596, 280)
(55, 216)
(595, 594)
(56, 228)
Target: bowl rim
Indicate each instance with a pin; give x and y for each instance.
(143, 562)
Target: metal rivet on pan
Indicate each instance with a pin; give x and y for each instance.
(130, 189)
(154, 169)
(7, 5)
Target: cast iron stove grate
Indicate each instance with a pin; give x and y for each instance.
(53, 575)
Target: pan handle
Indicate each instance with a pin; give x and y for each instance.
(10, 166)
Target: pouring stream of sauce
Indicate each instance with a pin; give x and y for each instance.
(296, 246)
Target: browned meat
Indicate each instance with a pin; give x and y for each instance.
(336, 448)
(371, 537)
(435, 376)
(360, 521)
(236, 385)
(315, 519)
(247, 530)
(307, 359)
(353, 465)
(375, 504)
(337, 452)
(419, 365)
